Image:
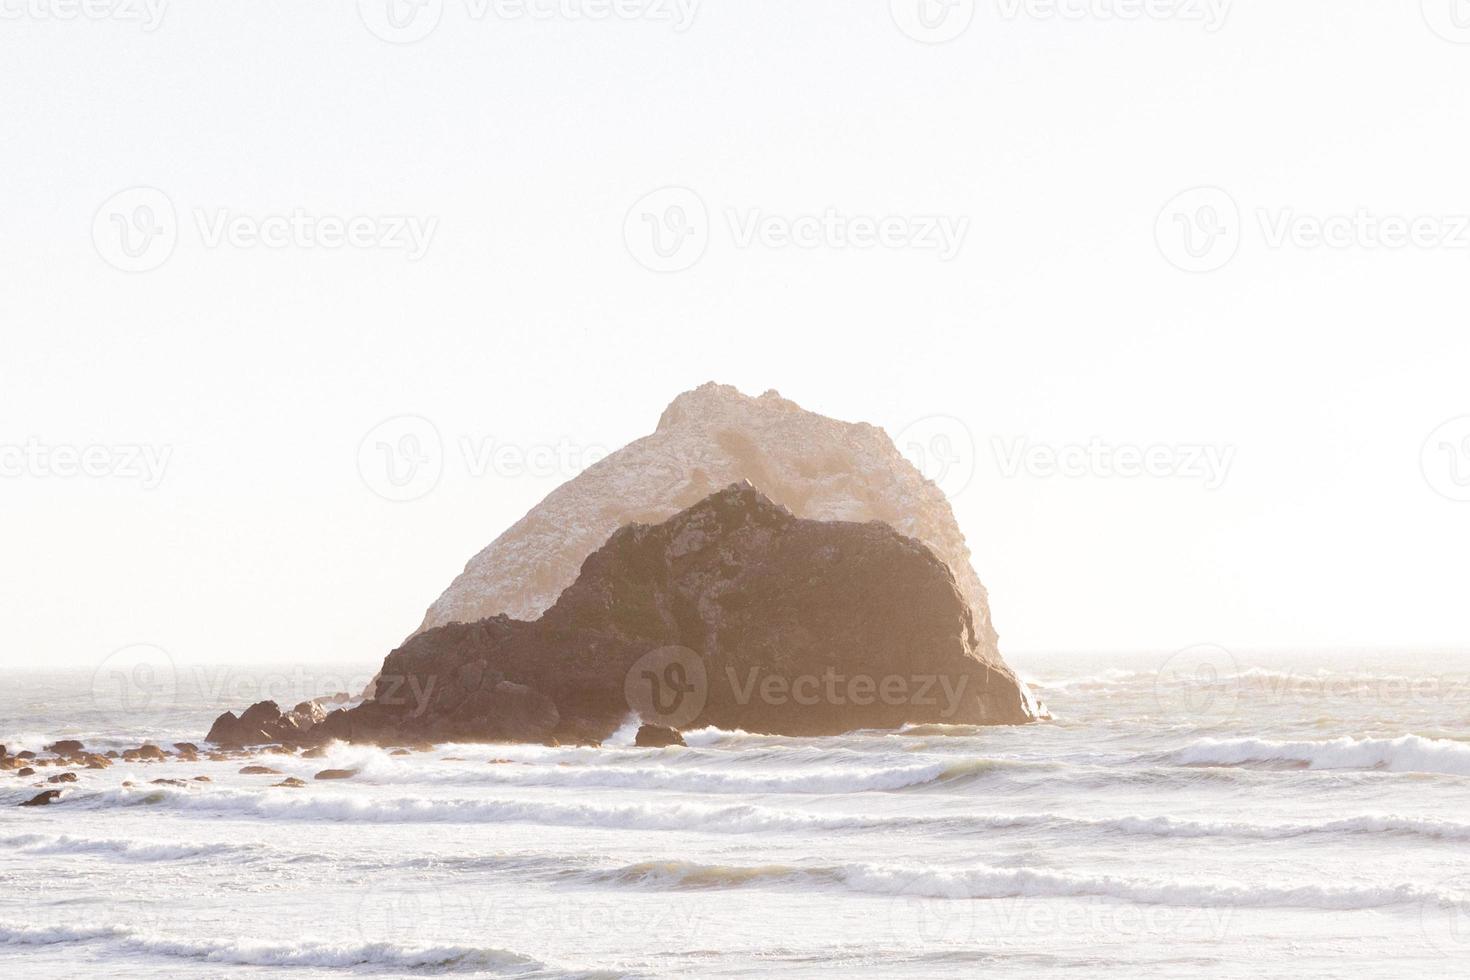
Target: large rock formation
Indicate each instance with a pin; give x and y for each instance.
(708, 438)
(732, 613)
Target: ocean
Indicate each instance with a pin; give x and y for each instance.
(1206, 813)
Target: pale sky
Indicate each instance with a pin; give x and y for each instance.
(1034, 178)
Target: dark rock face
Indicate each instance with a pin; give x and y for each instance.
(264, 723)
(43, 799)
(657, 737)
(731, 613)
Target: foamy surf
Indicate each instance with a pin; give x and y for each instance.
(1407, 753)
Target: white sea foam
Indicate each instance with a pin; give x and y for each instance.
(1407, 753)
(920, 881)
(121, 849)
(302, 953)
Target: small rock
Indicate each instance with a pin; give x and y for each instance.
(259, 771)
(657, 737)
(400, 752)
(27, 754)
(317, 752)
(62, 777)
(291, 781)
(66, 746)
(336, 774)
(27, 771)
(168, 782)
(202, 779)
(43, 799)
(186, 748)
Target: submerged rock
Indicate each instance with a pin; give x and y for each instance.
(733, 613)
(336, 774)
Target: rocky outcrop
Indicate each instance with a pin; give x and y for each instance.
(657, 737)
(817, 467)
(43, 799)
(264, 723)
(733, 613)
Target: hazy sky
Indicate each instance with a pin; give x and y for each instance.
(1001, 229)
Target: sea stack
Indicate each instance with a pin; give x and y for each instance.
(757, 619)
(816, 467)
